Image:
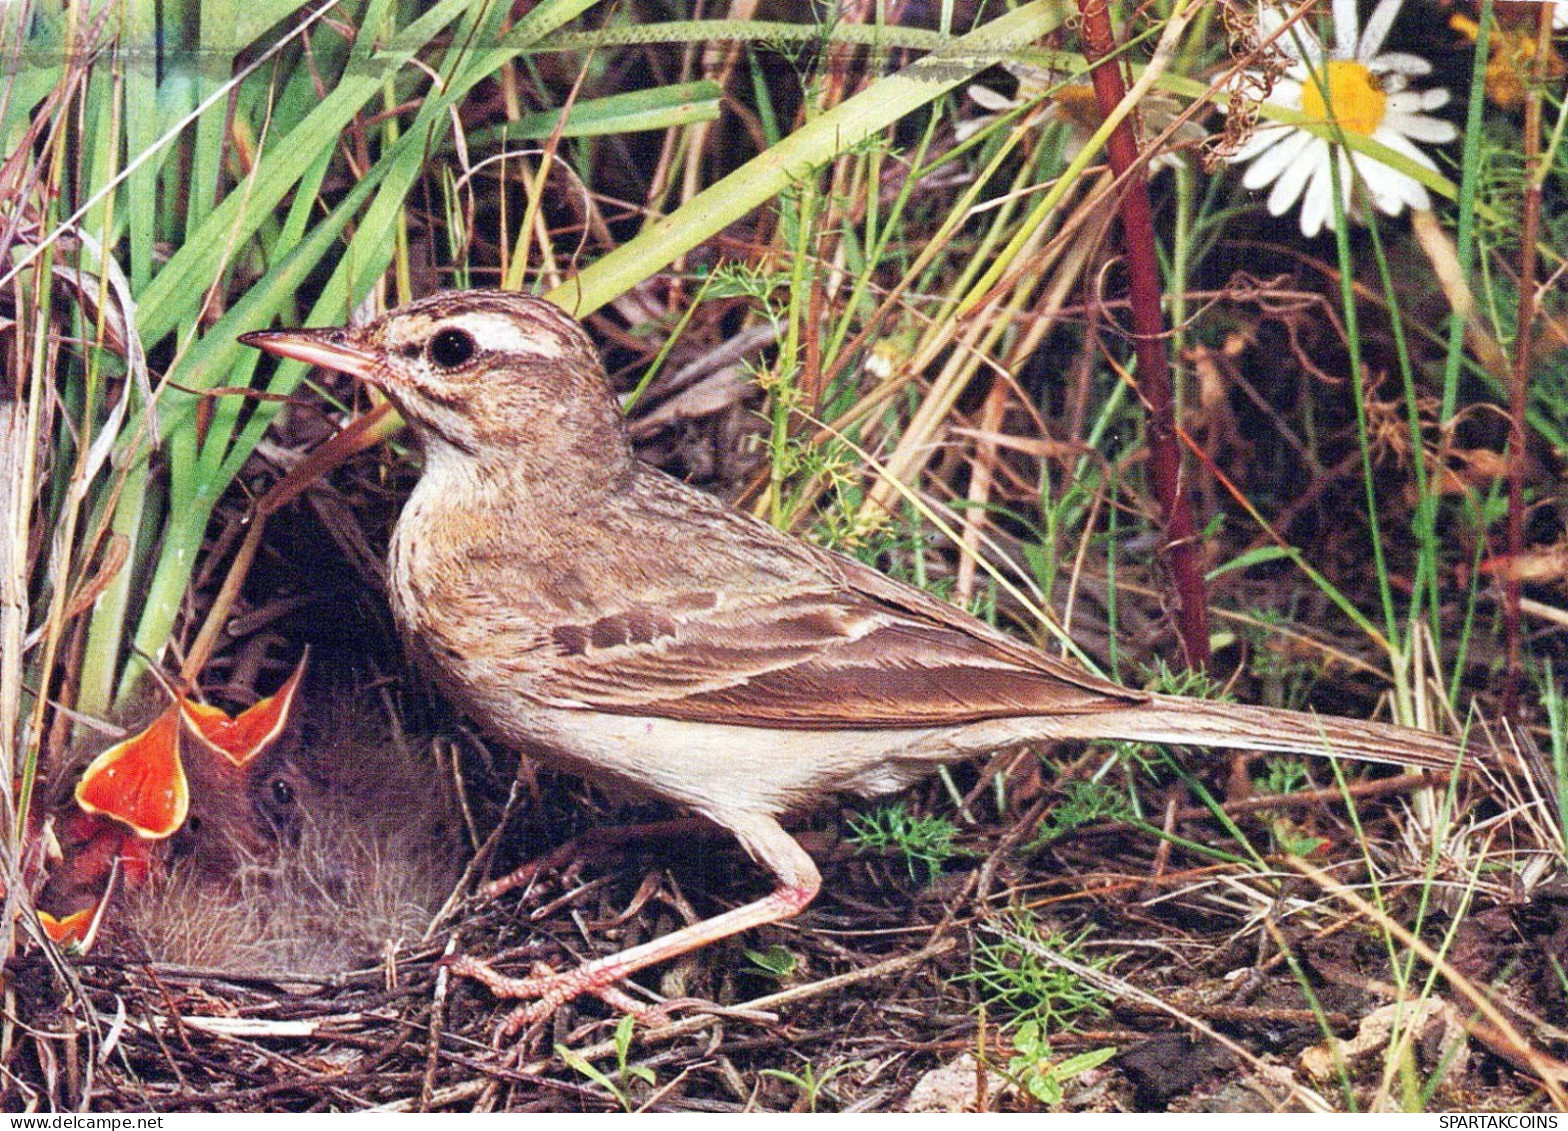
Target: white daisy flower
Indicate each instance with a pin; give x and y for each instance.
(1365, 88)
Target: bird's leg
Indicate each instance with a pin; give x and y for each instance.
(595, 843)
(767, 843)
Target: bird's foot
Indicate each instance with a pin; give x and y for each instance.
(548, 990)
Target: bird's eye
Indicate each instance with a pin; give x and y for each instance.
(451, 348)
(282, 792)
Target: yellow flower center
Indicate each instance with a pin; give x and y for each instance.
(1357, 98)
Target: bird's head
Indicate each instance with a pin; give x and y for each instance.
(483, 373)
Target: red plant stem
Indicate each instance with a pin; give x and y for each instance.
(1519, 385)
(1148, 337)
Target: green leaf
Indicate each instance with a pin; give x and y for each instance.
(1248, 560)
(257, 16)
(775, 962)
(656, 109)
(167, 300)
(577, 1063)
(1076, 1065)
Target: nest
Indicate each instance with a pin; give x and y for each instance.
(871, 1000)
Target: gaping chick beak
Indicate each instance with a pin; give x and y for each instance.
(328, 347)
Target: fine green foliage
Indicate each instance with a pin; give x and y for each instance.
(811, 1086)
(926, 840)
(1082, 803)
(1017, 982)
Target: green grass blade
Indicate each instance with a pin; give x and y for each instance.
(798, 155)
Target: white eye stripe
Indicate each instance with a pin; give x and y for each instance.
(500, 334)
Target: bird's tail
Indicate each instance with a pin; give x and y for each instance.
(1236, 726)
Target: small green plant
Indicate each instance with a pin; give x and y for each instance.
(927, 840)
(1282, 776)
(1159, 676)
(836, 523)
(1556, 704)
(1017, 981)
(740, 280)
(1557, 969)
(807, 1082)
(1287, 673)
(899, 548)
(1291, 841)
(775, 962)
(1156, 761)
(627, 1075)
(1031, 1066)
(1083, 803)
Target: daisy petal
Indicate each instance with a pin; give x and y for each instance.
(1316, 207)
(1388, 189)
(1301, 169)
(1287, 91)
(1296, 42)
(1399, 63)
(1287, 189)
(1415, 101)
(1347, 184)
(1403, 146)
(988, 99)
(1378, 23)
(1270, 164)
(1270, 20)
(1392, 82)
(1260, 141)
(1418, 127)
(1287, 88)
(1347, 29)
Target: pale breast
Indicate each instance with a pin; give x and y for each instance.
(460, 612)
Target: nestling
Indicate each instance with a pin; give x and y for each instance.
(337, 837)
(588, 609)
(329, 850)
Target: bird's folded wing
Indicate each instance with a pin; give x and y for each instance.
(833, 656)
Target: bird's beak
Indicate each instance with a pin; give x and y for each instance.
(328, 347)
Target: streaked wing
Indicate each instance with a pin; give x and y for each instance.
(832, 656)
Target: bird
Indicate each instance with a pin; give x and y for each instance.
(587, 609)
(307, 857)
(329, 847)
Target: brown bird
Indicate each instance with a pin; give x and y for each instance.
(583, 606)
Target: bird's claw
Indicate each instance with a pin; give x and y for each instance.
(549, 990)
